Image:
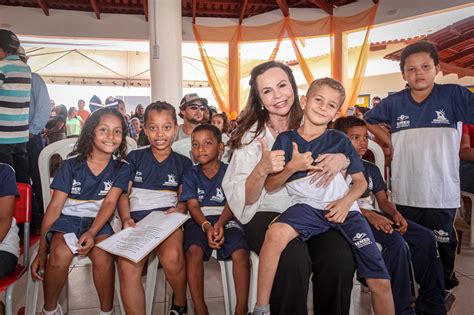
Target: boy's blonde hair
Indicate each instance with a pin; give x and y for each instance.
(332, 83)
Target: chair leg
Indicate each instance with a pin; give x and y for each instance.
(253, 280)
(150, 283)
(117, 290)
(9, 300)
(225, 288)
(32, 289)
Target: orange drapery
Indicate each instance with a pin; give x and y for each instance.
(226, 85)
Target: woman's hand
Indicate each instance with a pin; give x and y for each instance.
(38, 265)
(271, 161)
(328, 166)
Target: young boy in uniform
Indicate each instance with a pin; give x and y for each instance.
(394, 233)
(425, 145)
(213, 226)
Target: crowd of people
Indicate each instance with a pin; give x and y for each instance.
(277, 182)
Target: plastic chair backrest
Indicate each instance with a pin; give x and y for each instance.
(22, 212)
(378, 155)
(63, 148)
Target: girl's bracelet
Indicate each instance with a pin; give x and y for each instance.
(204, 223)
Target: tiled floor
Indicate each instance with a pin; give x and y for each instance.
(83, 299)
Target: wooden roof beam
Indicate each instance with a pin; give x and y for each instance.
(285, 10)
(145, 9)
(194, 11)
(460, 71)
(323, 6)
(452, 42)
(459, 55)
(44, 6)
(243, 8)
(95, 7)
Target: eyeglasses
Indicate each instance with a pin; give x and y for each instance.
(196, 107)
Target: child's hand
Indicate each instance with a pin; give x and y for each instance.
(380, 223)
(400, 222)
(173, 209)
(85, 243)
(271, 161)
(338, 211)
(209, 230)
(219, 234)
(128, 222)
(37, 267)
(301, 161)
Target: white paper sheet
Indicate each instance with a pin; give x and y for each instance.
(135, 243)
(71, 242)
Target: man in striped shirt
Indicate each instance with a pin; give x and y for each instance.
(15, 86)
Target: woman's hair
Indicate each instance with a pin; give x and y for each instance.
(161, 107)
(71, 110)
(254, 112)
(225, 120)
(84, 147)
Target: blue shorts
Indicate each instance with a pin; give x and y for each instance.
(77, 225)
(137, 216)
(310, 222)
(234, 238)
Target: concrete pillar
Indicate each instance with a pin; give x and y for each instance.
(166, 68)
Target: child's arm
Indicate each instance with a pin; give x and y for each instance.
(53, 211)
(181, 207)
(378, 221)
(225, 216)
(380, 133)
(339, 209)
(86, 241)
(389, 208)
(298, 162)
(6, 215)
(124, 208)
(198, 217)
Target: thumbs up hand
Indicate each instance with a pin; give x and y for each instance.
(271, 161)
(301, 161)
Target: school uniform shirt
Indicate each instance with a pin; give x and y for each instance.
(425, 164)
(11, 241)
(243, 162)
(375, 183)
(86, 191)
(207, 191)
(298, 185)
(155, 184)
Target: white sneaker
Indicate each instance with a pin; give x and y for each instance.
(57, 311)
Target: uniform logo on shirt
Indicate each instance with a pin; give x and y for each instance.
(403, 121)
(370, 185)
(138, 177)
(441, 236)
(76, 187)
(107, 185)
(171, 181)
(200, 194)
(219, 196)
(361, 239)
(440, 117)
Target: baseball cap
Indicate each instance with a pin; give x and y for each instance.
(190, 98)
(9, 42)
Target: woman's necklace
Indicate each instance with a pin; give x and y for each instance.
(269, 124)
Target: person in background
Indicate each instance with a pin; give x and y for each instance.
(140, 113)
(191, 109)
(360, 111)
(466, 168)
(15, 90)
(73, 123)
(136, 125)
(221, 122)
(38, 116)
(82, 112)
(9, 239)
(131, 131)
(52, 103)
(375, 101)
(56, 126)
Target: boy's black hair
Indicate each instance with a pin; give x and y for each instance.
(362, 109)
(376, 98)
(213, 129)
(345, 123)
(83, 147)
(160, 106)
(417, 47)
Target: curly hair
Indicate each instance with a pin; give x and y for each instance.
(253, 112)
(419, 47)
(84, 144)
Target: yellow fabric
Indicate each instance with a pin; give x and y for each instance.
(225, 76)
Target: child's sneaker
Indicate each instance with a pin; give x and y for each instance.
(57, 311)
(177, 310)
(261, 310)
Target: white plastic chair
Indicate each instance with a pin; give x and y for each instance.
(470, 196)
(63, 148)
(378, 155)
